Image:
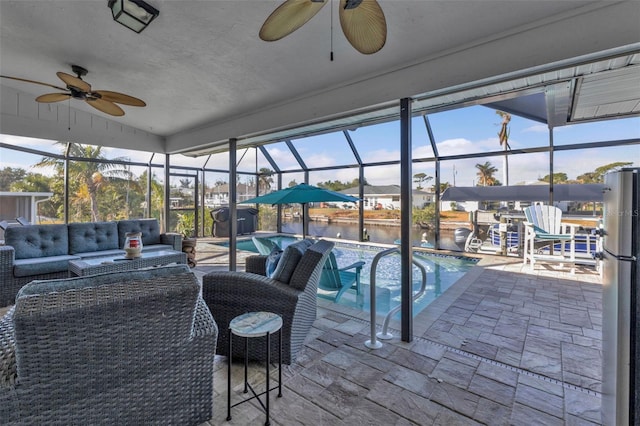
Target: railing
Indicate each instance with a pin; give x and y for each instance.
(373, 343)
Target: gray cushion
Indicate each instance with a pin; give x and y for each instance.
(42, 265)
(150, 229)
(37, 240)
(92, 236)
(289, 260)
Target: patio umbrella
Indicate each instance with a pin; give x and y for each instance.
(300, 194)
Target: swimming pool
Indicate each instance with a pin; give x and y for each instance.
(442, 272)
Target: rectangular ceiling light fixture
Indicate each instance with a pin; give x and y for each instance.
(133, 14)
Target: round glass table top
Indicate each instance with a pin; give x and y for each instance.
(255, 324)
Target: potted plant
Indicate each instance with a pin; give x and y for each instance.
(186, 228)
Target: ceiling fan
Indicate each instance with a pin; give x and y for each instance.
(362, 21)
(77, 88)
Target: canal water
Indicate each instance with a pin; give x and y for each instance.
(377, 234)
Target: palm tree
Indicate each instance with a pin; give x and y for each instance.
(485, 174)
(88, 176)
(503, 136)
(264, 179)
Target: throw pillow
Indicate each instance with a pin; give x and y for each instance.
(290, 258)
(272, 261)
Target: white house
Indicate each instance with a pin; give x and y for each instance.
(378, 197)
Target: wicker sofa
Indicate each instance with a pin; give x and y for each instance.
(38, 252)
(290, 292)
(126, 348)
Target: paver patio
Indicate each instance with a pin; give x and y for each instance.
(503, 346)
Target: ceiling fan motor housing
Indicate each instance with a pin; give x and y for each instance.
(79, 71)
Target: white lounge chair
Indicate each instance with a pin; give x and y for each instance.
(544, 227)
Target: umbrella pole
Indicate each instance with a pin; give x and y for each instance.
(304, 220)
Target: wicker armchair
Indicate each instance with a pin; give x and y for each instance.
(230, 294)
(126, 348)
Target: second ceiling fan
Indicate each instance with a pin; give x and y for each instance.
(362, 21)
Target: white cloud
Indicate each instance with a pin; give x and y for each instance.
(537, 128)
(380, 155)
(319, 160)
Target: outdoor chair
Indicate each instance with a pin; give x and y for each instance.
(23, 221)
(264, 245)
(333, 279)
(544, 228)
(291, 293)
(134, 347)
(339, 280)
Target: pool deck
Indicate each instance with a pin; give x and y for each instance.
(504, 345)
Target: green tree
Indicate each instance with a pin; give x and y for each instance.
(425, 216)
(157, 196)
(10, 175)
(32, 182)
(86, 178)
(597, 176)
(557, 178)
(421, 178)
(337, 185)
(485, 174)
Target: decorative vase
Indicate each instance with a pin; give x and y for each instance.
(133, 245)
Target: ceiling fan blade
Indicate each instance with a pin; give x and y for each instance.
(105, 106)
(53, 97)
(288, 17)
(33, 81)
(364, 25)
(120, 98)
(73, 81)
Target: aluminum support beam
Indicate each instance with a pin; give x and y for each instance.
(167, 193)
(233, 203)
(361, 234)
(406, 222)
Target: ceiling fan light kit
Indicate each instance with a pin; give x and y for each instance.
(362, 21)
(133, 14)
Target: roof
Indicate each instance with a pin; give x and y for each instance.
(531, 193)
(25, 194)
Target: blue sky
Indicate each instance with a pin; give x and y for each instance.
(467, 130)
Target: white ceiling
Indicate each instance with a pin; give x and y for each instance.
(207, 77)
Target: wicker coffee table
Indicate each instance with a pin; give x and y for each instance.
(100, 265)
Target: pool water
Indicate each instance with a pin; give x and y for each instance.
(442, 272)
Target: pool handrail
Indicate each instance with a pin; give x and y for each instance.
(373, 343)
(384, 335)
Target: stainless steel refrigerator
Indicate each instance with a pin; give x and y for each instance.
(621, 299)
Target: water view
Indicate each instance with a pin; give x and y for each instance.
(377, 234)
